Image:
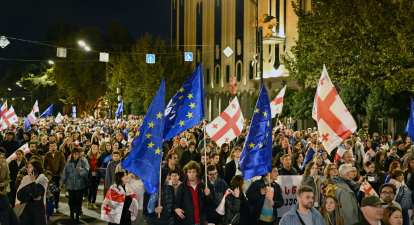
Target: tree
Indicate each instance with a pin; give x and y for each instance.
(139, 79)
(360, 40)
(379, 103)
(287, 100)
(303, 103)
(354, 95)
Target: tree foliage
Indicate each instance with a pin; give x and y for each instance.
(354, 95)
(139, 79)
(364, 40)
(303, 103)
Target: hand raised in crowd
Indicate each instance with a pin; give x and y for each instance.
(180, 213)
(237, 192)
(361, 179)
(207, 191)
(158, 209)
(32, 177)
(263, 191)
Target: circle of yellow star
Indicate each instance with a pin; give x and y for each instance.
(181, 123)
(256, 111)
(190, 115)
(181, 90)
(267, 123)
(180, 97)
(251, 145)
(148, 136)
(264, 113)
(192, 105)
(151, 125)
(190, 96)
(138, 133)
(150, 145)
(157, 151)
(159, 115)
(260, 145)
(174, 104)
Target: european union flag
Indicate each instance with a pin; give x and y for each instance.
(410, 124)
(256, 157)
(47, 112)
(186, 108)
(145, 158)
(120, 109)
(27, 124)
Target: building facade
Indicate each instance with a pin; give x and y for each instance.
(208, 27)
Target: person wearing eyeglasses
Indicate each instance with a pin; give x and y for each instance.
(387, 194)
(218, 188)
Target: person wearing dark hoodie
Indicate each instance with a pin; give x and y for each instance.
(237, 207)
(168, 203)
(189, 155)
(218, 188)
(110, 170)
(7, 216)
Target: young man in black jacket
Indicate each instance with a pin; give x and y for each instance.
(217, 188)
(264, 200)
(192, 197)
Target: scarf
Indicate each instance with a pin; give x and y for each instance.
(41, 179)
(114, 203)
(397, 184)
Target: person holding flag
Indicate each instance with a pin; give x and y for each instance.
(144, 161)
(120, 109)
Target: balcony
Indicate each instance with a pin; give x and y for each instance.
(273, 40)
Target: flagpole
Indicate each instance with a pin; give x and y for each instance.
(159, 188)
(205, 152)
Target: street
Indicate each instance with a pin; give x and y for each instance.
(88, 217)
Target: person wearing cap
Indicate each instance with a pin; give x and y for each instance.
(371, 208)
(9, 144)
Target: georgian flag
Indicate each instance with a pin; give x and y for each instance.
(340, 153)
(114, 203)
(3, 112)
(221, 208)
(335, 123)
(35, 108)
(25, 149)
(277, 104)
(228, 125)
(59, 118)
(369, 155)
(10, 117)
(367, 189)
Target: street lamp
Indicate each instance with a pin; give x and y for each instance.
(81, 43)
(51, 62)
(87, 48)
(9, 89)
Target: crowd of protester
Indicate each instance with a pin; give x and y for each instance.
(198, 177)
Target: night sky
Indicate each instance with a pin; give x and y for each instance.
(30, 19)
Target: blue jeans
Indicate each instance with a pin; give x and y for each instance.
(49, 210)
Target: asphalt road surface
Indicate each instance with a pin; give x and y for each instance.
(89, 216)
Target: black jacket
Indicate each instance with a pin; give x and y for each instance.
(10, 146)
(230, 171)
(14, 171)
(237, 210)
(7, 216)
(291, 171)
(185, 202)
(256, 199)
(217, 190)
(168, 204)
(186, 157)
(34, 212)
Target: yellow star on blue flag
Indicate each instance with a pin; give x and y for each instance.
(256, 158)
(145, 159)
(183, 113)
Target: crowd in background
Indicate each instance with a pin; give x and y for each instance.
(76, 156)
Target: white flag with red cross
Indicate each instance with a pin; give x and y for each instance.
(340, 153)
(35, 108)
(59, 118)
(228, 125)
(3, 110)
(277, 103)
(233, 86)
(367, 189)
(10, 117)
(13, 156)
(335, 123)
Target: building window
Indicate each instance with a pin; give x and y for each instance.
(217, 75)
(208, 77)
(239, 72)
(251, 70)
(227, 74)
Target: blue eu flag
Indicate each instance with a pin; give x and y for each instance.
(27, 124)
(186, 108)
(256, 157)
(47, 112)
(145, 158)
(120, 108)
(410, 124)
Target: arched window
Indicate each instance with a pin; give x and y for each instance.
(239, 72)
(208, 77)
(251, 70)
(227, 74)
(217, 75)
